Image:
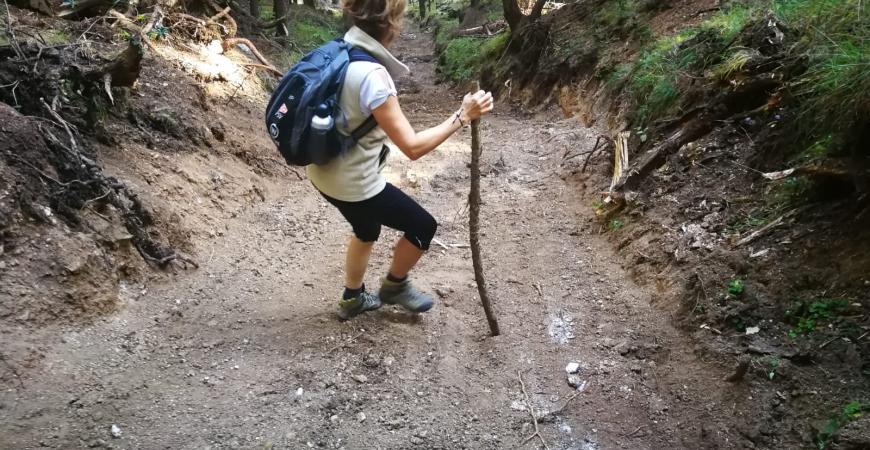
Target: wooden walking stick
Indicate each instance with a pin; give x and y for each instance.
(474, 226)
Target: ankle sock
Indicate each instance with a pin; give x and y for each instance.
(351, 293)
(394, 279)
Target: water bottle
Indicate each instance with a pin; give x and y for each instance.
(320, 149)
(322, 121)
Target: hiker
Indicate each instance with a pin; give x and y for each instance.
(352, 181)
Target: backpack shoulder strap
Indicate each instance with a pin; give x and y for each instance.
(358, 54)
(368, 125)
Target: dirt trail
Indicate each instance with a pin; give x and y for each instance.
(246, 352)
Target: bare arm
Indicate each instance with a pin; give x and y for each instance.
(413, 144)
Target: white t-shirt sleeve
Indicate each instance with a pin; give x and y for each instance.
(376, 88)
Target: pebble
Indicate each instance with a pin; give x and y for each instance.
(361, 416)
(575, 381)
(333, 418)
(299, 392)
(116, 432)
(360, 378)
(572, 367)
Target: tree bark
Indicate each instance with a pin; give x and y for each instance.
(474, 228)
(255, 8)
(280, 8)
(512, 14)
(423, 9)
(537, 10)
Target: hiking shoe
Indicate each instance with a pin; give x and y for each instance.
(352, 307)
(402, 293)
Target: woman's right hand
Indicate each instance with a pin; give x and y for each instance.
(476, 105)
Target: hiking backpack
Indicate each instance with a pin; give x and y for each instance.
(314, 82)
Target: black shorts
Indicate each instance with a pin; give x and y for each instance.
(393, 208)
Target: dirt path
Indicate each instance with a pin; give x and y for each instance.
(246, 351)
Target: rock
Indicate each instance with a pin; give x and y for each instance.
(299, 392)
(333, 418)
(116, 432)
(575, 381)
(360, 378)
(527, 428)
(572, 367)
(361, 416)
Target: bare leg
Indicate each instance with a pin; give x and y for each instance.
(405, 257)
(358, 253)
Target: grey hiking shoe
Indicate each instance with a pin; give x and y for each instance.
(402, 293)
(352, 307)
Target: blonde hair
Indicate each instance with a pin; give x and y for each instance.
(378, 18)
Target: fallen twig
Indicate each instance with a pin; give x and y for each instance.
(761, 231)
(828, 342)
(559, 410)
(636, 430)
(11, 32)
(346, 342)
(440, 244)
(608, 141)
(531, 413)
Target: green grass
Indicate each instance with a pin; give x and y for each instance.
(654, 77)
(734, 63)
(806, 316)
(308, 30)
(848, 413)
(729, 22)
(462, 58)
(834, 92)
(736, 287)
(770, 364)
(654, 82)
(615, 224)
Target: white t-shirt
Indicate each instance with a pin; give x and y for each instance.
(376, 87)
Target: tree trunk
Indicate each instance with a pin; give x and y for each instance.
(255, 8)
(280, 8)
(512, 14)
(423, 9)
(309, 3)
(537, 9)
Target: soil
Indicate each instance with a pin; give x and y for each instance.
(246, 351)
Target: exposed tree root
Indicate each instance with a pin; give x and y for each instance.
(231, 42)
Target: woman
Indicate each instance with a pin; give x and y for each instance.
(353, 182)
